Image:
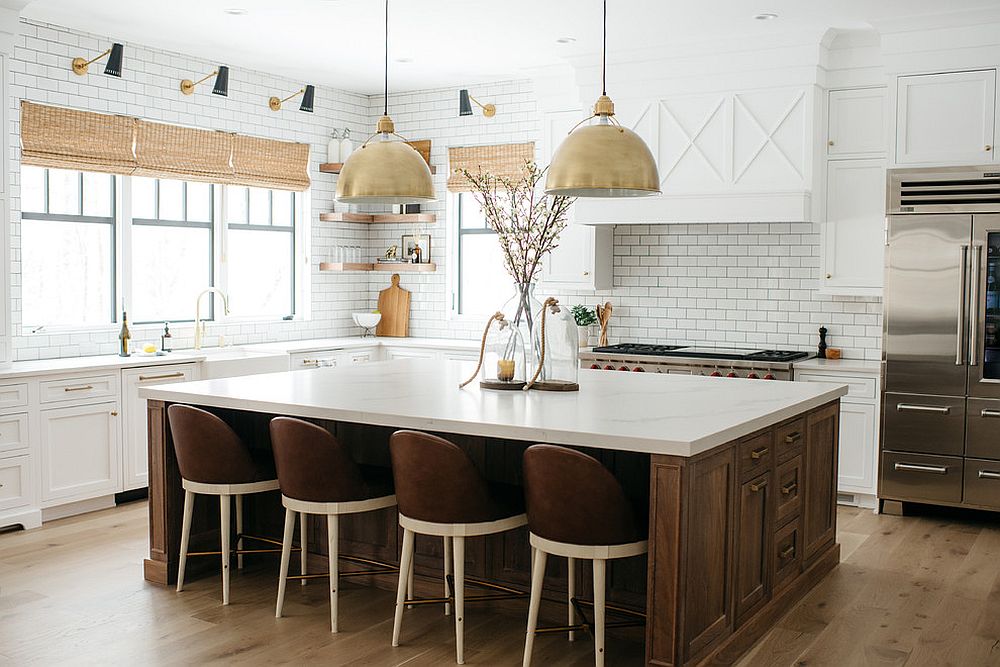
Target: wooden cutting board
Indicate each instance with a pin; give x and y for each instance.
(394, 304)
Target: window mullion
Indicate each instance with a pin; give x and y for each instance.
(123, 221)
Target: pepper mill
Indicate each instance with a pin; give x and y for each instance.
(821, 350)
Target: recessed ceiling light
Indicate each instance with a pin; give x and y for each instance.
(766, 16)
(565, 40)
(235, 11)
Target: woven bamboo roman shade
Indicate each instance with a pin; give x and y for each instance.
(501, 160)
(70, 139)
(172, 151)
(267, 163)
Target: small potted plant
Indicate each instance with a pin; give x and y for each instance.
(584, 317)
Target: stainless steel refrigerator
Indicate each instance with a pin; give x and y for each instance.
(940, 439)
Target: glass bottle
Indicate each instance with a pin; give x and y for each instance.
(558, 341)
(504, 365)
(333, 148)
(521, 310)
(124, 336)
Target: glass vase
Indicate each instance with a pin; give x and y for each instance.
(521, 310)
(560, 367)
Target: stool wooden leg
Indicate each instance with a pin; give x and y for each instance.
(185, 537)
(537, 580)
(409, 587)
(224, 514)
(333, 535)
(304, 545)
(239, 531)
(570, 594)
(286, 555)
(600, 571)
(405, 563)
(447, 570)
(459, 564)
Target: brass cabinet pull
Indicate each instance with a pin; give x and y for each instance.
(787, 552)
(792, 438)
(165, 376)
(310, 362)
(82, 388)
(912, 407)
(915, 467)
(988, 474)
(758, 453)
(757, 486)
(789, 488)
(989, 414)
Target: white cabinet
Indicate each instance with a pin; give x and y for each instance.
(410, 353)
(15, 483)
(135, 451)
(583, 257)
(332, 358)
(460, 355)
(859, 419)
(80, 448)
(854, 230)
(857, 123)
(946, 118)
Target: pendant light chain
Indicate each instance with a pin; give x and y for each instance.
(386, 110)
(604, 52)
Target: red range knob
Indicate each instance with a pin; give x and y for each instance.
(595, 367)
(716, 374)
(638, 369)
(770, 377)
(753, 376)
(731, 374)
(609, 367)
(623, 368)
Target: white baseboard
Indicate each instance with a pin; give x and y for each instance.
(80, 507)
(864, 500)
(27, 518)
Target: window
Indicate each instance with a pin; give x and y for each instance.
(261, 251)
(171, 247)
(483, 282)
(168, 234)
(67, 247)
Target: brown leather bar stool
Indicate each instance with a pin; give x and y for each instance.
(214, 462)
(440, 493)
(577, 509)
(318, 476)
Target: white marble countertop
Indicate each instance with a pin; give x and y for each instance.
(96, 364)
(865, 366)
(355, 342)
(653, 413)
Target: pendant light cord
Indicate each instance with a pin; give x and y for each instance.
(604, 52)
(386, 109)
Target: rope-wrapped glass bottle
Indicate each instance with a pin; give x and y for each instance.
(502, 356)
(558, 341)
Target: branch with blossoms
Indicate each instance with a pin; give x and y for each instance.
(527, 222)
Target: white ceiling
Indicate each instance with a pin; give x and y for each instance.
(451, 42)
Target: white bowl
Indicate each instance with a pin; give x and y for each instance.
(366, 320)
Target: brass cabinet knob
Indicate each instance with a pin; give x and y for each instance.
(989, 147)
(114, 413)
(830, 142)
(586, 273)
(829, 275)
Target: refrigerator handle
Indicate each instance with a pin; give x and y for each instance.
(963, 281)
(977, 266)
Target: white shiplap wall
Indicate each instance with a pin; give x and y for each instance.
(731, 283)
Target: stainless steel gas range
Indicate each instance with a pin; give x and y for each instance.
(753, 363)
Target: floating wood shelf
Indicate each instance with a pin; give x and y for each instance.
(385, 268)
(378, 217)
(335, 167)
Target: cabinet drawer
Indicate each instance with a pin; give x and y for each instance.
(983, 427)
(13, 432)
(75, 389)
(788, 439)
(789, 490)
(14, 482)
(920, 477)
(982, 483)
(13, 395)
(787, 554)
(931, 424)
(755, 455)
(857, 387)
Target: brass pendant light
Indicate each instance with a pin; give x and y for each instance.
(383, 171)
(604, 159)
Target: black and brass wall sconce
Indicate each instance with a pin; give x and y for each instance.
(465, 101)
(308, 94)
(113, 68)
(221, 87)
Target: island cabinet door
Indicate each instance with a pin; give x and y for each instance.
(820, 479)
(753, 534)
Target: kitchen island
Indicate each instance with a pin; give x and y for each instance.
(739, 477)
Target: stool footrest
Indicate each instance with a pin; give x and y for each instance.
(638, 618)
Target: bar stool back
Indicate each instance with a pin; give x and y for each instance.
(440, 492)
(576, 509)
(214, 461)
(318, 476)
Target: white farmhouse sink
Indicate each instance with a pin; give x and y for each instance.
(221, 362)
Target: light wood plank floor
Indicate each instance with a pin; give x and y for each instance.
(912, 590)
